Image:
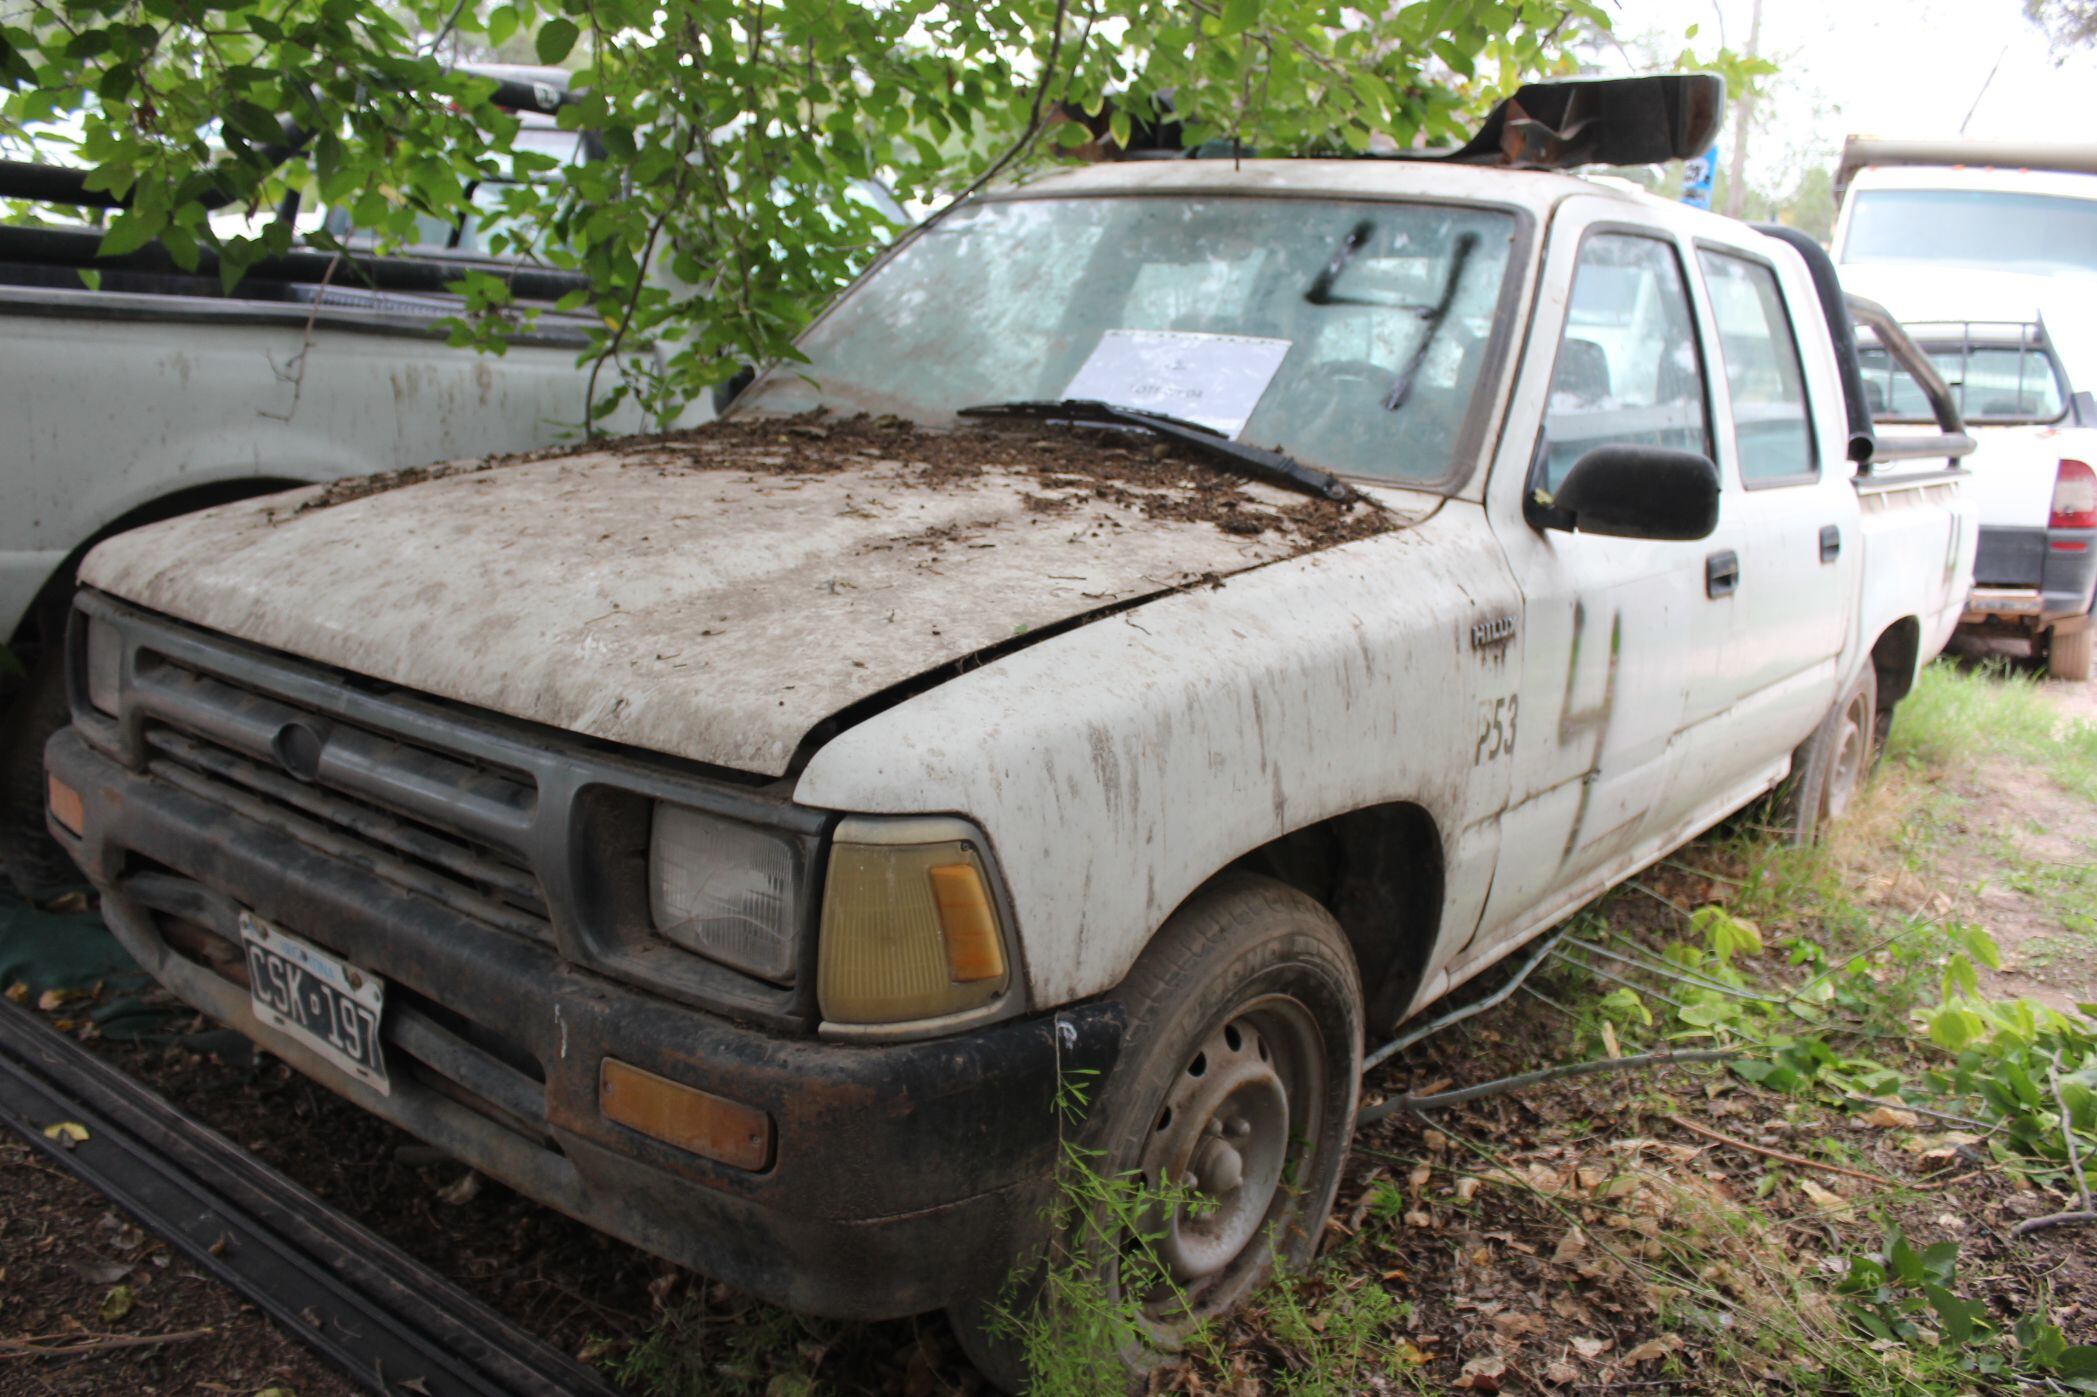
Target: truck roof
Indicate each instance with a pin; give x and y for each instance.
(1368, 177)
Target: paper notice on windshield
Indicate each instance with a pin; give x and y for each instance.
(1215, 380)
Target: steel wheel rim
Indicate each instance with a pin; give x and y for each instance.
(1847, 769)
(1235, 1129)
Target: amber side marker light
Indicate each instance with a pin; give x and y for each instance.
(967, 923)
(690, 1119)
(66, 806)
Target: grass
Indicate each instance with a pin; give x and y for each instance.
(1956, 716)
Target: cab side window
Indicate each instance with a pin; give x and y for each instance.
(1628, 370)
(1771, 426)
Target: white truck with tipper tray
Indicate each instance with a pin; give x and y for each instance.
(1185, 617)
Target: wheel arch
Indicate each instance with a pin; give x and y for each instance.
(45, 616)
(1380, 871)
(1896, 655)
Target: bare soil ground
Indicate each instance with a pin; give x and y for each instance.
(89, 1303)
(1672, 1231)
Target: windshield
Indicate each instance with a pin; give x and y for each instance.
(1350, 335)
(1984, 228)
(1991, 383)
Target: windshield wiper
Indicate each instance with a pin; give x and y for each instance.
(1402, 386)
(1252, 460)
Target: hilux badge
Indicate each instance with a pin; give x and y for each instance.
(1487, 634)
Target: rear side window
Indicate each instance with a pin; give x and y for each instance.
(2011, 376)
(1628, 371)
(1771, 425)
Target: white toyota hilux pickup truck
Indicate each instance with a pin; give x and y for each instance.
(1184, 617)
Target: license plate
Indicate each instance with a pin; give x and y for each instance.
(311, 996)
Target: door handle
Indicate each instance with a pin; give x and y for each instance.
(1721, 573)
(1830, 543)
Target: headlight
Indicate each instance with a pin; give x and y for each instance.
(105, 663)
(726, 890)
(910, 930)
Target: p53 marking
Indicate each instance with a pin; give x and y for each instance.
(1496, 728)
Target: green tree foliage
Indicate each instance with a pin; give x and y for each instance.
(734, 131)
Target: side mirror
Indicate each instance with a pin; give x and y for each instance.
(1638, 492)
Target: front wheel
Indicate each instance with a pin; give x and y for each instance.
(1829, 768)
(1212, 1154)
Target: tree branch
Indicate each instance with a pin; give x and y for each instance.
(1018, 147)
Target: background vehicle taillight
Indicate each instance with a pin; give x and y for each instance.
(2074, 497)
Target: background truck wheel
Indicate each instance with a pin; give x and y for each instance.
(35, 864)
(1830, 766)
(2068, 656)
(1236, 1080)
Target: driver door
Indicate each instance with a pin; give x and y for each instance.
(1614, 633)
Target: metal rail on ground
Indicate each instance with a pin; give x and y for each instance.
(390, 1322)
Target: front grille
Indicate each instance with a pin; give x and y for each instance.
(505, 824)
(213, 741)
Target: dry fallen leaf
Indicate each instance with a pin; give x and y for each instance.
(1892, 1118)
(54, 999)
(1827, 1200)
(67, 1133)
(1592, 1348)
(1410, 1355)
(1609, 1043)
(1571, 1245)
(1654, 1348)
(1560, 1373)
(116, 1304)
(1482, 1374)
(1466, 1187)
(462, 1192)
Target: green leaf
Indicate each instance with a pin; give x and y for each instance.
(90, 278)
(502, 23)
(252, 122)
(1237, 17)
(1959, 1317)
(2077, 1362)
(556, 38)
(131, 231)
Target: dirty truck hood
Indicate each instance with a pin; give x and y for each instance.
(716, 613)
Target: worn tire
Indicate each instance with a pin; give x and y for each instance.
(1830, 766)
(36, 865)
(1245, 1017)
(2068, 656)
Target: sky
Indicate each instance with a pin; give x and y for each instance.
(1884, 68)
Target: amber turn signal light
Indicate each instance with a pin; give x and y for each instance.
(691, 1119)
(66, 806)
(967, 923)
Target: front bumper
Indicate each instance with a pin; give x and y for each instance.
(903, 1177)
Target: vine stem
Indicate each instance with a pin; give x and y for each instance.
(1530, 1079)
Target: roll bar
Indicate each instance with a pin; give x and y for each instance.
(1952, 440)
